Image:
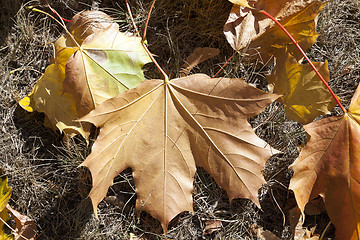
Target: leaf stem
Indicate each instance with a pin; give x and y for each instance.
(222, 67)
(307, 59)
(63, 26)
(57, 14)
(166, 78)
(147, 20)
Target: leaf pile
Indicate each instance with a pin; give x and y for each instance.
(164, 129)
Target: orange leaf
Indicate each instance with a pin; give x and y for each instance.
(329, 166)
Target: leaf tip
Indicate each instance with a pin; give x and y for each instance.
(26, 104)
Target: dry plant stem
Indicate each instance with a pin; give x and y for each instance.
(326, 228)
(307, 59)
(13, 230)
(132, 18)
(25, 69)
(147, 20)
(222, 67)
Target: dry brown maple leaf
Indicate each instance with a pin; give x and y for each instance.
(329, 166)
(304, 95)
(249, 28)
(164, 130)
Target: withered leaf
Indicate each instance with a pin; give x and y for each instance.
(248, 28)
(198, 56)
(164, 130)
(329, 166)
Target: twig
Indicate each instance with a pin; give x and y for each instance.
(326, 228)
(270, 117)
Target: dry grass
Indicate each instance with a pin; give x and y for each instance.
(48, 186)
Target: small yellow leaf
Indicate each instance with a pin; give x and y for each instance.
(243, 3)
(305, 96)
(27, 104)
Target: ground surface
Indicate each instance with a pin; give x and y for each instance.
(48, 186)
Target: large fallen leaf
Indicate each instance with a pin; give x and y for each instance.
(329, 166)
(5, 194)
(94, 62)
(249, 28)
(162, 131)
(305, 96)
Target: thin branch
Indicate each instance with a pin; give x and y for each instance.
(270, 117)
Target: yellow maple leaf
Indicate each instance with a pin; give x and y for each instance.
(305, 96)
